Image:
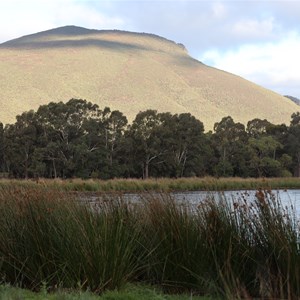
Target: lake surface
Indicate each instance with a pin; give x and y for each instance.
(286, 197)
(194, 197)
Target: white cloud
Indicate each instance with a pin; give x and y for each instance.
(81, 14)
(252, 28)
(18, 17)
(219, 10)
(272, 65)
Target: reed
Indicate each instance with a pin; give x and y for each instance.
(174, 245)
(229, 248)
(49, 237)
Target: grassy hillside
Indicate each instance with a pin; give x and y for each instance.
(129, 72)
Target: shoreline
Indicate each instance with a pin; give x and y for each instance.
(157, 184)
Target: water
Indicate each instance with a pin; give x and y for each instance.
(286, 197)
(197, 196)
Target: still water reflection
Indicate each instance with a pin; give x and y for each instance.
(286, 197)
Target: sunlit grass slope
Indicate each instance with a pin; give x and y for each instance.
(129, 72)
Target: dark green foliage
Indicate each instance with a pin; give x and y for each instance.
(2, 145)
(78, 139)
(257, 127)
(293, 142)
(230, 143)
(146, 137)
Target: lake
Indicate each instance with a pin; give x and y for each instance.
(287, 197)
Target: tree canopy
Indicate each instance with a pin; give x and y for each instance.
(78, 139)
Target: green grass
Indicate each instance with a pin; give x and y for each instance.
(229, 248)
(160, 184)
(130, 292)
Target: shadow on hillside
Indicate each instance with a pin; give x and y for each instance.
(32, 41)
(29, 44)
(186, 61)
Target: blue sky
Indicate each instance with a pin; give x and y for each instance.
(258, 40)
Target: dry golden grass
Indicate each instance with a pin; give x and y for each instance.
(129, 72)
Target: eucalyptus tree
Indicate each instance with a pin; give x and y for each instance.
(115, 124)
(295, 121)
(146, 145)
(280, 133)
(257, 127)
(188, 147)
(63, 132)
(267, 142)
(104, 139)
(2, 146)
(21, 139)
(293, 142)
(230, 143)
(264, 161)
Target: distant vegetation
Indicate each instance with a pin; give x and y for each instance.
(129, 185)
(77, 139)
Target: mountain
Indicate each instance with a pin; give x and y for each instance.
(127, 71)
(294, 99)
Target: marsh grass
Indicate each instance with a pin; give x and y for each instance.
(48, 236)
(152, 184)
(230, 248)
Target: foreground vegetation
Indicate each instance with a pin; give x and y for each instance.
(128, 293)
(223, 247)
(77, 139)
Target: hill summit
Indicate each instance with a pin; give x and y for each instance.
(127, 71)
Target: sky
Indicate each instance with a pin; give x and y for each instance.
(258, 40)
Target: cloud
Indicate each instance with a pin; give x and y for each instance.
(29, 16)
(219, 10)
(272, 65)
(254, 29)
(205, 24)
(79, 13)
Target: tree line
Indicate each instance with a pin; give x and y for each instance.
(78, 139)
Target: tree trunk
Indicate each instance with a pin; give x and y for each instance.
(54, 168)
(146, 170)
(297, 169)
(183, 165)
(26, 166)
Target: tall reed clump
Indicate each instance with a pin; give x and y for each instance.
(234, 248)
(225, 232)
(277, 247)
(205, 249)
(174, 245)
(46, 237)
